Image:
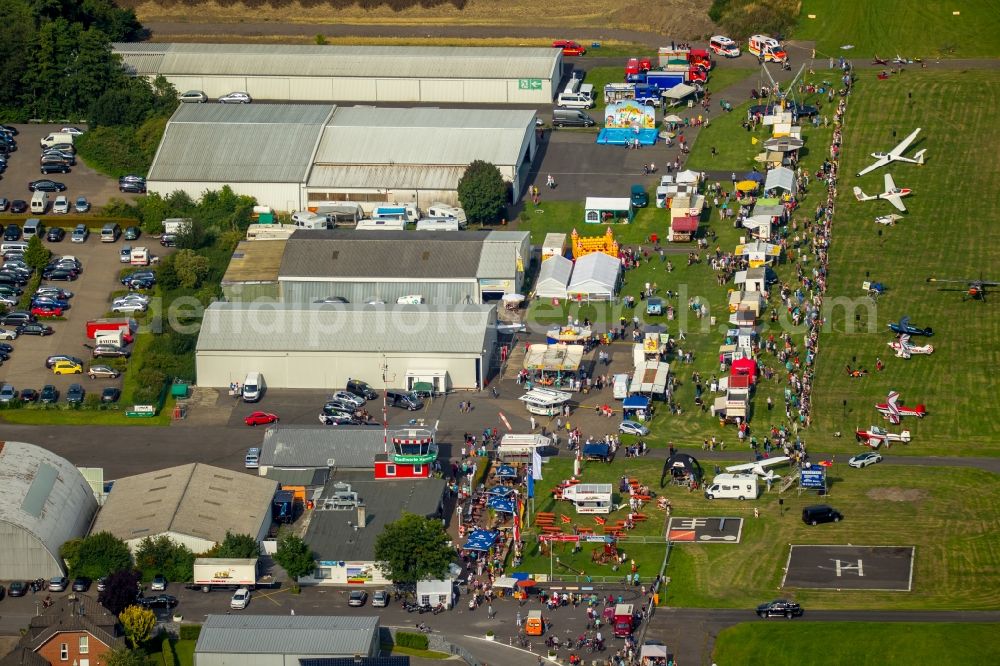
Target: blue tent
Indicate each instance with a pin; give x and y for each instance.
(755, 176)
(506, 471)
(635, 402)
(501, 491)
(502, 504)
(480, 540)
(596, 450)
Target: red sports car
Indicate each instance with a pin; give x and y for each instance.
(46, 311)
(260, 418)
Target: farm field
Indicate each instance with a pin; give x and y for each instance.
(903, 27)
(858, 643)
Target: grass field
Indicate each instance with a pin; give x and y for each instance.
(952, 230)
(949, 514)
(856, 643)
(912, 28)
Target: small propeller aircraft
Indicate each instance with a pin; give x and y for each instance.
(888, 220)
(904, 348)
(892, 194)
(975, 289)
(896, 155)
(875, 437)
(893, 412)
(904, 327)
(760, 468)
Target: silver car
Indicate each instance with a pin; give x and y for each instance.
(194, 97)
(238, 97)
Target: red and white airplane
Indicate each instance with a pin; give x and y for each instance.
(904, 348)
(892, 194)
(893, 412)
(875, 437)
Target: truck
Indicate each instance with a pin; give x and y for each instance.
(699, 58)
(647, 94)
(139, 256)
(126, 325)
(637, 65)
(221, 573)
(624, 620)
(114, 338)
(694, 74)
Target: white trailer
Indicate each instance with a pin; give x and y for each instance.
(590, 497)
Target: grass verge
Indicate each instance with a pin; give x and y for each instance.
(392, 650)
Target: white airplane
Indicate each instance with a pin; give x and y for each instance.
(892, 194)
(760, 468)
(896, 155)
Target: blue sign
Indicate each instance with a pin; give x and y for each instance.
(814, 477)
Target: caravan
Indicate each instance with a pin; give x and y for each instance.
(438, 224)
(404, 212)
(304, 219)
(444, 210)
(381, 225)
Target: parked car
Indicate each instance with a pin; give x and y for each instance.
(46, 185)
(75, 131)
(29, 395)
(50, 167)
(75, 394)
(17, 318)
(133, 184)
(633, 428)
(55, 235)
(361, 389)
(8, 394)
(193, 96)
(18, 206)
(61, 205)
(12, 232)
(8, 334)
(125, 254)
(131, 233)
(380, 599)
(110, 351)
(102, 371)
(349, 398)
(67, 368)
(102, 584)
(820, 513)
(168, 240)
(128, 306)
(49, 395)
(80, 234)
(47, 310)
(60, 275)
(17, 589)
(159, 601)
(81, 205)
(252, 458)
(337, 419)
(357, 598)
(236, 98)
(58, 584)
(81, 584)
(51, 361)
(865, 459)
(138, 275)
(159, 583)
(779, 608)
(240, 600)
(260, 418)
(34, 328)
(110, 394)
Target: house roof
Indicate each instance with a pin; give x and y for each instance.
(385, 501)
(197, 500)
(73, 613)
(255, 261)
(334, 635)
(316, 446)
(284, 327)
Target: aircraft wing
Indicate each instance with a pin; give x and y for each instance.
(890, 185)
(904, 144)
(896, 201)
(747, 467)
(880, 162)
(771, 462)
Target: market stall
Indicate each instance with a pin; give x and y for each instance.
(608, 210)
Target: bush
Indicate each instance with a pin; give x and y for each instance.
(168, 653)
(411, 640)
(482, 468)
(190, 632)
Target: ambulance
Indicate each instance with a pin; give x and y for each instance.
(767, 48)
(724, 46)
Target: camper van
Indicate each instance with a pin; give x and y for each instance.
(253, 387)
(39, 202)
(767, 48)
(444, 210)
(405, 212)
(438, 224)
(139, 256)
(545, 402)
(381, 225)
(733, 486)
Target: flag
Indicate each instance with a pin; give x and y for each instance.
(505, 422)
(536, 465)
(753, 141)
(531, 486)
(517, 523)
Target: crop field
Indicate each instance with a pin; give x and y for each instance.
(911, 28)
(858, 643)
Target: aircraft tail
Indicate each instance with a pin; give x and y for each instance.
(861, 196)
(920, 156)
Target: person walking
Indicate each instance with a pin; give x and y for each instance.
(517, 620)
(533, 423)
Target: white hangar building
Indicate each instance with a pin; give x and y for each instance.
(314, 73)
(297, 156)
(44, 502)
(311, 346)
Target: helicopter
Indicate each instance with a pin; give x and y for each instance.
(975, 289)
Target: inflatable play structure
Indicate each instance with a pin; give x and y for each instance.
(628, 121)
(584, 245)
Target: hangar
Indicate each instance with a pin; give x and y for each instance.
(438, 267)
(315, 73)
(294, 156)
(322, 346)
(45, 502)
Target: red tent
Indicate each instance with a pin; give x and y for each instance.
(744, 366)
(740, 381)
(685, 224)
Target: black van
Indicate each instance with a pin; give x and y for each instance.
(406, 399)
(361, 389)
(820, 513)
(571, 118)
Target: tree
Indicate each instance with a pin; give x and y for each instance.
(190, 268)
(124, 657)
(120, 590)
(37, 255)
(160, 555)
(138, 623)
(96, 555)
(294, 556)
(413, 548)
(483, 193)
(238, 546)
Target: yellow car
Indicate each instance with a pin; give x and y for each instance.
(66, 368)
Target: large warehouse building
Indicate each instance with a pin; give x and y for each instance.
(288, 72)
(45, 502)
(321, 347)
(439, 267)
(295, 156)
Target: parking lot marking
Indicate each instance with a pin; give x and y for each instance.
(269, 595)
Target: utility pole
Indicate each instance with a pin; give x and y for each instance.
(385, 407)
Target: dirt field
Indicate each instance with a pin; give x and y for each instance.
(683, 19)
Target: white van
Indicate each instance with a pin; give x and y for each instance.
(56, 137)
(734, 486)
(587, 89)
(619, 386)
(545, 402)
(381, 225)
(39, 202)
(253, 387)
(16, 246)
(444, 210)
(438, 224)
(32, 227)
(405, 212)
(574, 101)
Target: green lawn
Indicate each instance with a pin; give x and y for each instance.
(722, 77)
(949, 514)
(950, 231)
(183, 651)
(912, 28)
(856, 643)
